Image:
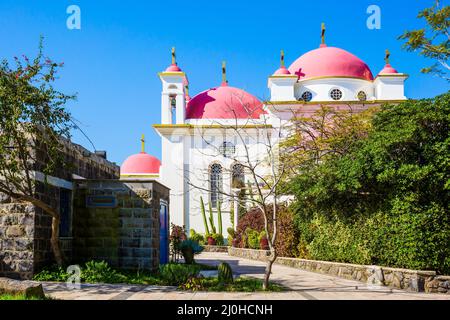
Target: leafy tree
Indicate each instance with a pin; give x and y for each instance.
(387, 196)
(33, 121)
(432, 41)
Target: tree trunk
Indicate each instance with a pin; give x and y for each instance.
(268, 272)
(55, 240)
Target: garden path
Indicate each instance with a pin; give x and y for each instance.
(302, 285)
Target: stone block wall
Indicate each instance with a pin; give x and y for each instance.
(126, 235)
(25, 230)
(16, 240)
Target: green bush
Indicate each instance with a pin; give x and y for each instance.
(219, 239)
(196, 237)
(384, 198)
(100, 272)
(253, 238)
(174, 274)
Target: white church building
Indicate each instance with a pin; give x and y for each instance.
(205, 137)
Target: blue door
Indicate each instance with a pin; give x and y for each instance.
(163, 234)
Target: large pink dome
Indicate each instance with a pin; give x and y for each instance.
(224, 102)
(141, 163)
(330, 62)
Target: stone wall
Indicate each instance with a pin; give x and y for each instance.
(16, 240)
(215, 248)
(125, 235)
(25, 230)
(411, 280)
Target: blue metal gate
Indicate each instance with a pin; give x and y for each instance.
(163, 234)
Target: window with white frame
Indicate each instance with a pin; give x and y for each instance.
(215, 181)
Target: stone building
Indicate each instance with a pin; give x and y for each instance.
(102, 218)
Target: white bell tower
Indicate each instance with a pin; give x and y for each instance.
(173, 96)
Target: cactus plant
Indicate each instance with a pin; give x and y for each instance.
(205, 222)
(219, 217)
(211, 218)
(225, 273)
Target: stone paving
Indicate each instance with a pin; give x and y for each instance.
(302, 285)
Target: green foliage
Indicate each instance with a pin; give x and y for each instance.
(231, 235)
(192, 244)
(384, 199)
(205, 222)
(196, 236)
(219, 217)
(225, 274)
(54, 273)
(241, 284)
(253, 237)
(174, 274)
(20, 297)
(432, 41)
(211, 218)
(218, 238)
(100, 272)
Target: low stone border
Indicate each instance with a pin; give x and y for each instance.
(412, 280)
(215, 248)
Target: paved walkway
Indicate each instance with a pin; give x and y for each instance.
(303, 285)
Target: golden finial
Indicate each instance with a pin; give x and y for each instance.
(282, 58)
(174, 58)
(143, 143)
(387, 56)
(224, 73)
(323, 33)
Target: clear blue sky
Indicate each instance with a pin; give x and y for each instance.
(112, 62)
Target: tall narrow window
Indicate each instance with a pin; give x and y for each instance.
(237, 176)
(215, 181)
(173, 108)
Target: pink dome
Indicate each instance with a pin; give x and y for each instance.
(141, 163)
(224, 102)
(282, 71)
(173, 68)
(330, 62)
(388, 69)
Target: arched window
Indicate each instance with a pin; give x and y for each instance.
(362, 96)
(237, 176)
(215, 180)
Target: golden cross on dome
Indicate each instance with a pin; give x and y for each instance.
(224, 72)
(143, 143)
(282, 58)
(323, 33)
(387, 56)
(174, 58)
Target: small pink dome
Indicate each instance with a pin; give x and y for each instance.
(388, 69)
(282, 71)
(141, 163)
(330, 62)
(224, 102)
(173, 68)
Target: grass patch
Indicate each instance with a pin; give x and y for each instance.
(241, 284)
(20, 297)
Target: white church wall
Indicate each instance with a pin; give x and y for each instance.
(321, 88)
